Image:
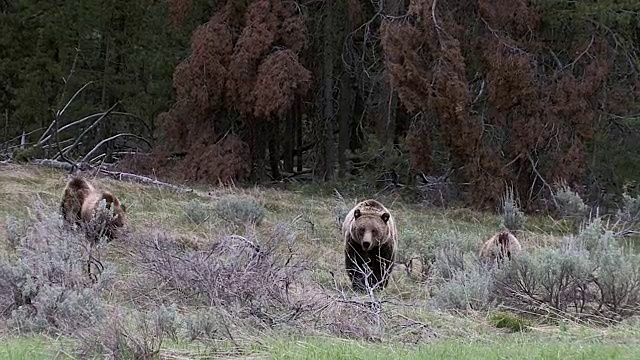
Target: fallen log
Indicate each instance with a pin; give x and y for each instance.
(143, 180)
(117, 175)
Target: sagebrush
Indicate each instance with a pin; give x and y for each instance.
(44, 282)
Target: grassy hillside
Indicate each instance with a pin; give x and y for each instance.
(184, 282)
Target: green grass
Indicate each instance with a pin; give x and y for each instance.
(440, 334)
(28, 348)
(508, 347)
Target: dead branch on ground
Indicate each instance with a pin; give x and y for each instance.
(117, 175)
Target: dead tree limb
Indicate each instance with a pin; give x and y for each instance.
(89, 117)
(88, 155)
(534, 168)
(122, 176)
(143, 180)
(104, 115)
(57, 121)
(53, 163)
(60, 112)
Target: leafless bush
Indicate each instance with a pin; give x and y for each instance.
(44, 285)
(251, 272)
(436, 190)
(628, 217)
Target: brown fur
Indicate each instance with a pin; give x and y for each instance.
(370, 236)
(81, 199)
(506, 244)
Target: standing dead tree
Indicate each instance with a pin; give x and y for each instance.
(239, 83)
(495, 97)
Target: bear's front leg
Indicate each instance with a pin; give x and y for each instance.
(356, 266)
(384, 265)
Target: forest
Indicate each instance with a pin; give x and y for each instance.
(240, 133)
(454, 100)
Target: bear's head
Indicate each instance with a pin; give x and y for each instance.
(119, 209)
(504, 249)
(370, 229)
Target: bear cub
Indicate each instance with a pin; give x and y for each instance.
(80, 201)
(502, 246)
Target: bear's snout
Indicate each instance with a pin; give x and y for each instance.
(366, 245)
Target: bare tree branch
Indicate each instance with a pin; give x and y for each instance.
(91, 127)
(113, 174)
(88, 155)
(61, 112)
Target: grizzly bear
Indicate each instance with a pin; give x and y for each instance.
(502, 245)
(370, 237)
(81, 199)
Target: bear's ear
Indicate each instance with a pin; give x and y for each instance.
(385, 217)
(356, 214)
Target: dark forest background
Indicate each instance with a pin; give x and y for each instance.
(453, 100)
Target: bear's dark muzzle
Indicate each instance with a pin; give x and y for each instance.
(366, 245)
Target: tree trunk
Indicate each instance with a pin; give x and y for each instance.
(6, 129)
(288, 139)
(348, 93)
(103, 101)
(345, 117)
(389, 103)
(327, 110)
(298, 124)
(258, 149)
(359, 108)
(388, 99)
(274, 158)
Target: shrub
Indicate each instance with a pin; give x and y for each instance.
(512, 217)
(590, 275)
(195, 212)
(98, 227)
(340, 210)
(618, 281)
(44, 282)
(201, 325)
(466, 289)
(416, 250)
(15, 231)
(240, 209)
(453, 251)
(628, 216)
(236, 271)
(462, 282)
(569, 204)
(136, 335)
(550, 276)
(504, 320)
